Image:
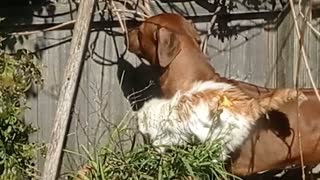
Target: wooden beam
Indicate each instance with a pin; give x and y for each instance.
(68, 90)
(27, 29)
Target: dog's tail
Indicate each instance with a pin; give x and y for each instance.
(280, 97)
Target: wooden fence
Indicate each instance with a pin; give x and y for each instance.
(253, 42)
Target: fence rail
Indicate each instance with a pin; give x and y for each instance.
(254, 43)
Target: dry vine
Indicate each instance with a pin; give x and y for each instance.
(117, 7)
(305, 59)
(306, 20)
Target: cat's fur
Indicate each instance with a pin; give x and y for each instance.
(208, 111)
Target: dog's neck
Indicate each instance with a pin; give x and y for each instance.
(188, 67)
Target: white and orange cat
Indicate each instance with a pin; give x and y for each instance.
(208, 111)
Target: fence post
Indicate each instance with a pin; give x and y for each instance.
(69, 89)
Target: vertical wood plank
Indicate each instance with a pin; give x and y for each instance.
(284, 62)
(69, 90)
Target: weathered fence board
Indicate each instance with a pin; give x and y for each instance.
(249, 49)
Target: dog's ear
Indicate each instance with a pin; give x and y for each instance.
(168, 46)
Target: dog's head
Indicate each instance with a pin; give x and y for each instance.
(157, 39)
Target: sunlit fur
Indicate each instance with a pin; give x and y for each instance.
(208, 111)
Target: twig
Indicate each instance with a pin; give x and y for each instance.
(205, 41)
(134, 94)
(119, 17)
(145, 8)
(132, 12)
(311, 79)
(144, 15)
(306, 21)
(303, 50)
(44, 30)
(209, 32)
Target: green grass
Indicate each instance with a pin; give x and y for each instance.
(144, 162)
(196, 161)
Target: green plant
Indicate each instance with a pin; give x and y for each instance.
(200, 162)
(196, 161)
(144, 162)
(18, 72)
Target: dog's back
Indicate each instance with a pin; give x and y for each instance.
(210, 110)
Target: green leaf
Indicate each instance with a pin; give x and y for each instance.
(160, 177)
(187, 165)
(146, 176)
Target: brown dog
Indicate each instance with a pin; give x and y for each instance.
(170, 43)
(155, 40)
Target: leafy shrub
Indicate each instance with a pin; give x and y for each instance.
(18, 72)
